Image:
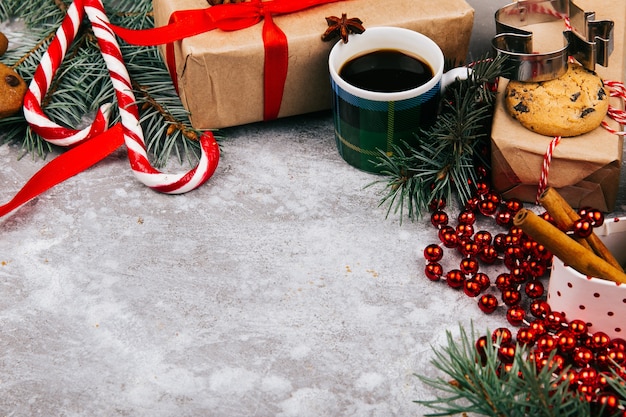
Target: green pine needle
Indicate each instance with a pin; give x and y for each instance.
(83, 84)
(480, 387)
(442, 164)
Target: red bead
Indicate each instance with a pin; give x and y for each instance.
(609, 401)
(487, 207)
(439, 218)
(518, 275)
(499, 242)
(587, 392)
(469, 248)
(595, 217)
(488, 254)
(598, 340)
(534, 289)
(546, 342)
(538, 327)
(582, 356)
(602, 360)
(502, 335)
(515, 315)
(504, 281)
(616, 356)
(472, 204)
(618, 344)
(511, 297)
(433, 271)
(546, 216)
(472, 288)
(588, 376)
(481, 171)
(455, 278)
(582, 228)
(433, 253)
(582, 211)
(481, 348)
(482, 187)
(469, 266)
(467, 217)
(488, 303)
(566, 341)
(541, 252)
(525, 336)
(483, 238)
(448, 237)
(539, 308)
(483, 280)
(465, 230)
(437, 204)
(578, 327)
(506, 352)
(504, 217)
(513, 205)
(536, 268)
(555, 320)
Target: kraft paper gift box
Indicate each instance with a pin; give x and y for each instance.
(585, 169)
(220, 74)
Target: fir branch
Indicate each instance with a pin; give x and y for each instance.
(481, 386)
(442, 164)
(82, 83)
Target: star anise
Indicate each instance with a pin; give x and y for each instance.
(342, 26)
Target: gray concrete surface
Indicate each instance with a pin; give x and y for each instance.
(277, 289)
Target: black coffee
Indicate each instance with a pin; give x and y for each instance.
(386, 71)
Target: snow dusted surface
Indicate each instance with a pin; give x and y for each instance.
(276, 289)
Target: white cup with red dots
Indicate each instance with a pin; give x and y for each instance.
(598, 302)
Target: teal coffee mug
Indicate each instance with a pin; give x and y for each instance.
(387, 84)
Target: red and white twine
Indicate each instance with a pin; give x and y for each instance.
(129, 113)
(616, 89)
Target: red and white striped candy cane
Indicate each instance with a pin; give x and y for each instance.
(129, 113)
(50, 62)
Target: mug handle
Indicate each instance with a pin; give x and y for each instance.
(448, 78)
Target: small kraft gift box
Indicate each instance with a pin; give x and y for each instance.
(585, 169)
(222, 75)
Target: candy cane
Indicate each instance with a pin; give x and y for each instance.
(50, 61)
(129, 113)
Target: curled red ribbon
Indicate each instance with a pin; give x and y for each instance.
(231, 17)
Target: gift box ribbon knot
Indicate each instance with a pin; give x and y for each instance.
(231, 17)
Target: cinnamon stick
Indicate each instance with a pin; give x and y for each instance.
(567, 249)
(565, 217)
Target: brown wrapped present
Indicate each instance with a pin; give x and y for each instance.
(585, 169)
(220, 74)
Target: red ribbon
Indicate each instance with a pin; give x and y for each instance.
(66, 165)
(231, 17)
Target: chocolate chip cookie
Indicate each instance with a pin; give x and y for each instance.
(12, 91)
(570, 105)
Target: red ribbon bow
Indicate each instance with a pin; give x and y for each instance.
(231, 17)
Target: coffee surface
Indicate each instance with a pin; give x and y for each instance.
(386, 71)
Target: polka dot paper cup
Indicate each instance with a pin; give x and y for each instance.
(600, 303)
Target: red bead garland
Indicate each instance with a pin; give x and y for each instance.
(592, 357)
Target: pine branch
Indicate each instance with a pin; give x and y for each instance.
(442, 164)
(83, 84)
(481, 386)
